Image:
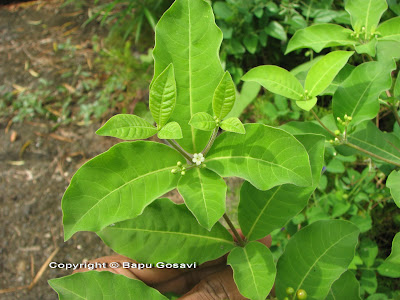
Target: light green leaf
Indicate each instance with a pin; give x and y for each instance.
(346, 287)
(320, 36)
(388, 50)
(308, 104)
(368, 47)
(171, 130)
(264, 156)
(204, 193)
(390, 29)
(224, 97)
(365, 13)
(233, 125)
(276, 30)
(396, 89)
(277, 80)
(117, 185)
(393, 183)
(203, 121)
(358, 95)
(391, 266)
(325, 70)
(188, 37)
(253, 270)
(167, 232)
(162, 96)
(261, 212)
(127, 127)
(248, 93)
(343, 74)
(94, 285)
(318, 253)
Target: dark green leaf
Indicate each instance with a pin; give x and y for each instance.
(276, 30)
(346, 287)
(391, 266)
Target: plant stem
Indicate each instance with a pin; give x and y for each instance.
(210, 142)
(322, 124)
(396, 114)
(178, 148)
(234, 231)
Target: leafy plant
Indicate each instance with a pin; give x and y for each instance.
(116, 194)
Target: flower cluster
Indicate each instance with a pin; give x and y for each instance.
(198, 158)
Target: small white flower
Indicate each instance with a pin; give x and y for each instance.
(198, 158)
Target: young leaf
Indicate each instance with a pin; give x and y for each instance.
(325, 70)
(393, 183)
(391, 266)
(188, 37)
(171, 130)
(365, 13)
(368, 47)
(204, 193)
(346, 287)
(320, 36)
(203, 121)
(102, 285)
(276, 30)
(224, 97)
(261, 212)
(265, 156)
(390, 29)
(277, 80)
(358, 95)
(162, 96)
(165, 227)
(117, 185)
(308, 104)
(127, 127)
(253, 270)
(319, 252)
(233, 125)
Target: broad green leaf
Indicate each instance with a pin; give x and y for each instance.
(233, 125)
(188, 37)
(253, 270)
(264, 156)
(94, 285)
(277, 80)
(203, 121)
(301, 71)
(127, 127)
(343, 74)
(248, 93)
(393, 183)
(388, 50)
(261, 212)
(204, 193)
(167, 232)
(162, 96)
(365, 14)
(315, 257)
(171, 130)
(276, 30)
(391, 266)
(117, 185)
(308, 104)
(368, 281)
(358, 95)
(390, 29)
(368, 47)
(325, 70)
(346, 287)
(224, 97)
(320, 36)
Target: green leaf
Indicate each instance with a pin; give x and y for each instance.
(264, 156)
(224, 97)
(171, 130)
(325, 70)
(117, 185)
(358, 95)
(365, 13)
(390, 29)
(204, 193)
(188, 37)
(320, 36)
(343, 74)
(368, 281)
(364, 223)
(162, 96)
(320, 253)
(233, 125)
(203, 121)
(277, 80)
(250, 41)
(378, 296)
(253, 270)
(346, 287)
(95, 285)
(127, 127)
(393, 183)
(167, 232)
(368, 251)
(222, 10)
(391, 266)
(396, 89)
(307, 105)
(276, 30)
(261, 212)
(368, 47)
(248, 93)
(388, 50)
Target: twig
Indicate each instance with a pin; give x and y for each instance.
(178, 148)
(322, 124)
(234, 231)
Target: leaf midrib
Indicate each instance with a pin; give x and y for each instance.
(375, 147)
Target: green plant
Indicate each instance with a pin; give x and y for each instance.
(116, 193)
